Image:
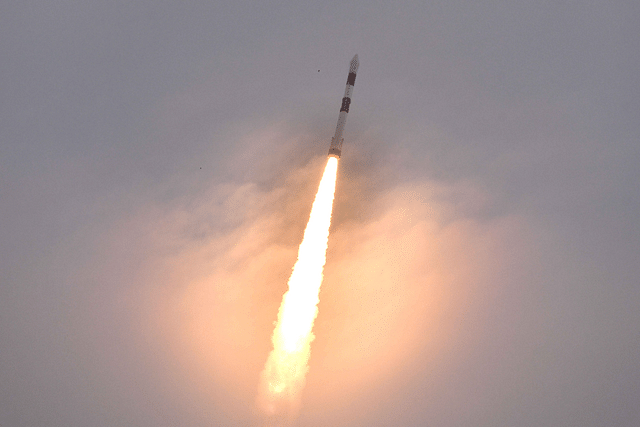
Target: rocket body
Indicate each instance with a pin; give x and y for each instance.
(336, 142)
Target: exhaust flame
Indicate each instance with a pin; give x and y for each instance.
(284, 373)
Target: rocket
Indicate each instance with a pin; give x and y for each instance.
(336, 142)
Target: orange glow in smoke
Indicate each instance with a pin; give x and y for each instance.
(284, 373)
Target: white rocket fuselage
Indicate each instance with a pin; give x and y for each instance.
(336, 142)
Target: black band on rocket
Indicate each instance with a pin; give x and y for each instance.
(351, 80)
(345, 104)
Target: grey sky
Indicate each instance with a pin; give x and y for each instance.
(158, 159)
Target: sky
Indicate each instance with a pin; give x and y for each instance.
(158, 161)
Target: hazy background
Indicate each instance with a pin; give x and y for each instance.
(158, 160)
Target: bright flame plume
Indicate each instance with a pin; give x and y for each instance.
(284, 373)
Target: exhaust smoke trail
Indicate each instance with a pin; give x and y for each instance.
(284, 373)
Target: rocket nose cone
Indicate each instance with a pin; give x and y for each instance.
(354, 64)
